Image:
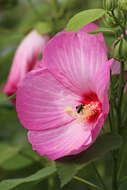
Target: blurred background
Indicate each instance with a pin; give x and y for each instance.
(17, 160)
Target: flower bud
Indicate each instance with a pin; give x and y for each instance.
(116, 50)
(122, 4)
(109, 21)
(119, 14)
(109, 5)
(119, 18)
(124, 48)
(120, 49)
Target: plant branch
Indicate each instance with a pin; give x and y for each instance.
(115, 168)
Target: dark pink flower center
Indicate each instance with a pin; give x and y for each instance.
(90, 107)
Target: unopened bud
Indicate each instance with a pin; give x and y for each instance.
(116, 50)
(119, 14)
(124, 48)
(122, 4)
(109, 5)
(119, 18)
(109, 20)
(120, 49)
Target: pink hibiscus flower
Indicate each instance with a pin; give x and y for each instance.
(64, 104)
(26, 59)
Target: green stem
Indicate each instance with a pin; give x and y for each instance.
(110, 121)
(123, 153)
(120, 98)
(86, 182)
(99, 177)
(111, 113)
(114, 174)
(121, 90)
(119, 109)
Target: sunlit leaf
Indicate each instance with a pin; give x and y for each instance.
(83, 18)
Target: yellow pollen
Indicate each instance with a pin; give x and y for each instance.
(88, 110)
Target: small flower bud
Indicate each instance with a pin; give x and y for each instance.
(109, 21)
(119, 18)
(119, 14)
(116, 50)
(109, 5)
(120, 49)
(124, 48)
(122, 4)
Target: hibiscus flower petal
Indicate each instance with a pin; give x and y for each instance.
(25, 59)
(59, 142)
(95, 129)
(90, 27)
(101, 79)
(41, 101)
(74, 58)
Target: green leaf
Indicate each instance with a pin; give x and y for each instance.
(69, 166)
(83, 18)
(104, 30)
(43, 27)
(7, 152)
(39, 175)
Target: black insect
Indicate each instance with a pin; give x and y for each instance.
(79, 108)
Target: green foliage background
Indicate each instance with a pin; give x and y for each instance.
(23, 168)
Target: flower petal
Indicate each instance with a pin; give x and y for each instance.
(90, 27)
(74, 58)
(41, 101)
(59, 142)
(95, 129)
(115, 68)
(101, 79)
(25, 59)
